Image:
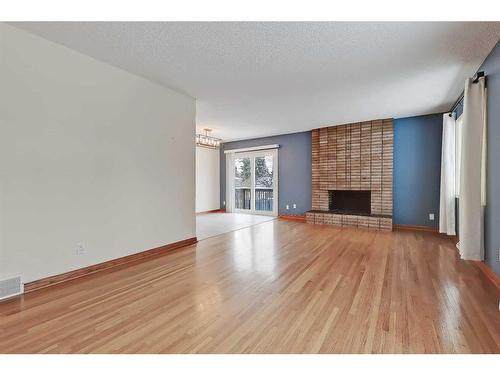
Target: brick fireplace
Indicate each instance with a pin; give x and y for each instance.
(352, 168)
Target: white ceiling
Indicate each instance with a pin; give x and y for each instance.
(255, 79)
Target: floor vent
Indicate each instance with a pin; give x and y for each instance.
(11, 287)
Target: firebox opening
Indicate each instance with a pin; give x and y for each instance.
(350, 201)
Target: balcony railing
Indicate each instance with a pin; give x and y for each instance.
(243, 198)
(263, 199)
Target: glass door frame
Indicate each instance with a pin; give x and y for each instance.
(252, 155)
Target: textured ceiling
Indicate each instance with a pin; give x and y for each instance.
(255, 79)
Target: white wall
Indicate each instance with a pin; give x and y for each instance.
(207, 179)
(88, 153)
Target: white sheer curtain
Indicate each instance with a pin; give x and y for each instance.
(448, 180)
(458, 152)
(473, 172)
(229, 182)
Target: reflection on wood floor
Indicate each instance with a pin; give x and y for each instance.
(276, 287)
(214, 224)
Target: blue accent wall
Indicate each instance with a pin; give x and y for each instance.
(417, 169)
(491, 68)
(294, 169)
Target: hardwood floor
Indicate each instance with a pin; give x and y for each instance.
(277, 287)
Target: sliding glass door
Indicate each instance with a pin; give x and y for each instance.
(255, 182)
(264, 183)
(242, 183)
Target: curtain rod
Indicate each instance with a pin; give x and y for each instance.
(475, 79)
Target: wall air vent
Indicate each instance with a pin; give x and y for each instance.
(10, 287)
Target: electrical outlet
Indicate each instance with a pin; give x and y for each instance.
(294, 205)
(80, 249)
(431, 216)
(287, 207)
